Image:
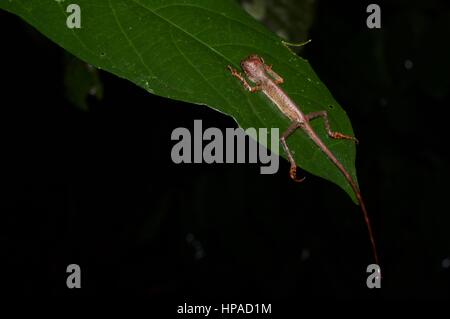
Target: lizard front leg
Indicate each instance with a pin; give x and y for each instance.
(244, 82)
(276, 77)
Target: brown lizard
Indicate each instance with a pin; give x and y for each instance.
(268, 81)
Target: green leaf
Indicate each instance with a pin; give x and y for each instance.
(180, 49)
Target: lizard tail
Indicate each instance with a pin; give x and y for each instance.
(367, 220)
(361, 204)
(352, 183)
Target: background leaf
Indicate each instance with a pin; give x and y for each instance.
(81, 80)
(180, 49)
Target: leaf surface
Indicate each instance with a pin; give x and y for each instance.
(180, 49)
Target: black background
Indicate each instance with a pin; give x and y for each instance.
(99, 189)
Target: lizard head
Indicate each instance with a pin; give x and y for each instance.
(254, 68)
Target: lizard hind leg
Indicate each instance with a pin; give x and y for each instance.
(332, 134)
(293, 170)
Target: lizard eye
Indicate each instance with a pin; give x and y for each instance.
(243, 66)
